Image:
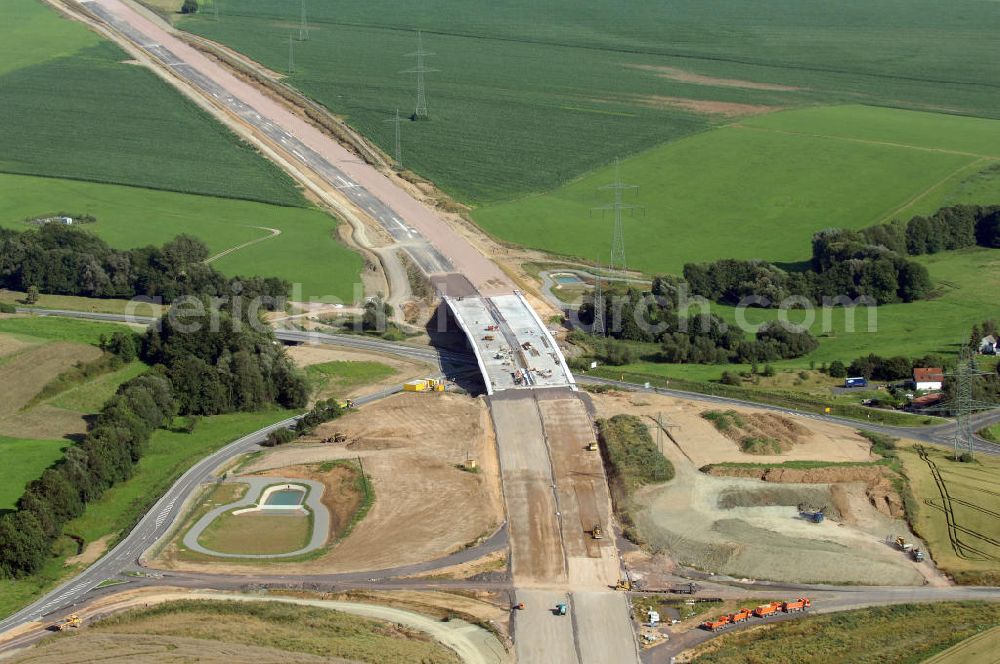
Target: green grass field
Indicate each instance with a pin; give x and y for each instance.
(241, 533)
(72, 108)
(59, 329)
(970, 553)
(978, 649)
(23, 461)
(91, 396)
(529, 95)
(169, 454)
(339, 377)
(758, 189)
(825, 639)
(307, 251)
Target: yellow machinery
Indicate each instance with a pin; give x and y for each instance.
(592, 447)
(623, 584)
(597, 532)
(425, 385)
(69, 621)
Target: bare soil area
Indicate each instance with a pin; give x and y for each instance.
(750, 528)
(425, 506)
(44, 421)
(702, 444)
(10, 345)
(876, 481)
(706, 106)
(677, 74)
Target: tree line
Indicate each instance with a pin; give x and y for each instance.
(871, 262)
(237, 367)
(63, 260)
(705, 338)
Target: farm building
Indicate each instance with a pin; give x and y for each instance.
(926, 401)
(929, 378)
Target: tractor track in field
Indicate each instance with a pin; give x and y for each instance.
(274, 232)
(962, 550)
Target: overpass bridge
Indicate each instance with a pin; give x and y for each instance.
(512, 345)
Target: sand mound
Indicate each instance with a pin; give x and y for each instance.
(757, 433)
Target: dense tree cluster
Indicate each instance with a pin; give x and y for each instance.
(64, 260)
(108, 454)
(869, 262)
(702, 338)
(886, 368)
(230, 363)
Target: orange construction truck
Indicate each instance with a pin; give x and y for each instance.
(717, 624)
(801, 604)
(766, 610)
(740, 616)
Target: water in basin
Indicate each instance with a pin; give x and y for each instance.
(567, 278)
(285, 498)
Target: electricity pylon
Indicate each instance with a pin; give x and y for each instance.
(965, 403)
(616, 207)
(398, 154)
(303, 24)
(419, 70)
(597, 328)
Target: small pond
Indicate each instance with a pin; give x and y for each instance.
(285, 498)
(567, 278)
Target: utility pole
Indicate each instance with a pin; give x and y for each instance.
(303, 24)
(215, 9)
(291, 55)
(616, 207)
(965, 404)
(597, 328)
(659, 431)
(419, 70)
(398, 153)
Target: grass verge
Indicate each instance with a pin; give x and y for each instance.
(293, 629)
(632, 461)
(889, 634)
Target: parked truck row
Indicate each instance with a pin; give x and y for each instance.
(763, 611)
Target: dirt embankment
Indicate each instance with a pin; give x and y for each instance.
(877, 480)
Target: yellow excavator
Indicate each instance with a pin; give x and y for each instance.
(70, 621)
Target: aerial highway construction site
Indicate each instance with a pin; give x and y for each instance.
(466, 497)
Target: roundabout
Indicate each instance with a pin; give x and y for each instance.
(275, 518)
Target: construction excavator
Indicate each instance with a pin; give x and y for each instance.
(71, 621)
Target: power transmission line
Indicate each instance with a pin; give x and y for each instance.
(419, 70)
(616, 207)
(303, 24)
(398, 154)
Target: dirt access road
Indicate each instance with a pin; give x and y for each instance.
(555, 491)
(435, 246)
